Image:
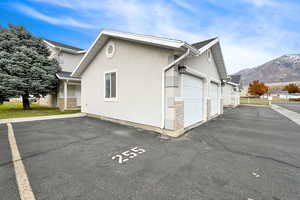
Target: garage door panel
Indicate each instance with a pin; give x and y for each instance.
(190, 93)
(193, 100)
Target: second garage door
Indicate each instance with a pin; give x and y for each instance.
(193, 100)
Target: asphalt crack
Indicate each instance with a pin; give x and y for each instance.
(49, 150)
(228, 149)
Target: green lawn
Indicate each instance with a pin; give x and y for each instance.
(14, 110)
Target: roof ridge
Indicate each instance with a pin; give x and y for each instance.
(63, 45)
(145, 35)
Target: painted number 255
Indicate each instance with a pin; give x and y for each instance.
(126, 155)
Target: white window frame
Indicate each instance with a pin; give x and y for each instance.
(117, 86)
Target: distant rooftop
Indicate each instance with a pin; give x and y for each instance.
(58, 44)
(236, 79)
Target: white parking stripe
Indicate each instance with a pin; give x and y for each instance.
(25, 190)
(29, 119)
(295, 117)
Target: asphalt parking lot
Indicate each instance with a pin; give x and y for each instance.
(293, 106)
(247, 153)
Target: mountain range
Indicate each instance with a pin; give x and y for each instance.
(283, 69)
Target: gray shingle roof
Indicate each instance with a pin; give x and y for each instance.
(64, 45)
(201, 44)
(236, 79)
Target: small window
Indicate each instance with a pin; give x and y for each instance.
(209, 56)
(111, 85)
(110, 49)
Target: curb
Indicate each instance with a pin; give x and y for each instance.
(28, 119)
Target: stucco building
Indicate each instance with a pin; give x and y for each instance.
(68, 94)
(156, 83)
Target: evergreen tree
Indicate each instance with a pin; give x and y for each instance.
(25, 66)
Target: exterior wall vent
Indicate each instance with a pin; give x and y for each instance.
(182, 69)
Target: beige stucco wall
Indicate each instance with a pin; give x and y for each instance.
(139, 83)
(68, 61)
(227, 91)
(203, 65)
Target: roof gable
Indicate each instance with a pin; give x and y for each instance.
(195, 49)
(214, 45)
(64, 46)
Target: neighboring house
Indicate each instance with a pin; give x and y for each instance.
(231, 91)
(237, 79)
(68, 94)
(155, 83)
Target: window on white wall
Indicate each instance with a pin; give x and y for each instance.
(111, 85)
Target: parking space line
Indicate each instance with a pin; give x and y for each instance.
(295, 117)
(39, 118)
(25, 190)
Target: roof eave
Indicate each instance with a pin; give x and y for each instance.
(67, 78)
(192, 49)
(145, 38)
(231, 83)
(71, 51)
(65, 49)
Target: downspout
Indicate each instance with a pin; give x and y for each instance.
(169, 66)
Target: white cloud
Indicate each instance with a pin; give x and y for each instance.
(261, 3)
(185, 5)
(53, 20)
(249, 37)
(62, 3)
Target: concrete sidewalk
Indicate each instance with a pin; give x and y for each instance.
(26, 119)
(295, 117)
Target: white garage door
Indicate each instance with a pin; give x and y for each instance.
(214, 91)
(193, 100)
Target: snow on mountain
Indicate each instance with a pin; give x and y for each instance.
(283, 69)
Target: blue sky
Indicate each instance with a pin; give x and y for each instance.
(251, 31)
